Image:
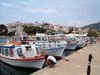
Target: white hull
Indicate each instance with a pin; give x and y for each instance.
(71, 46)
(28, 64)
(55, 51)
(80, 45)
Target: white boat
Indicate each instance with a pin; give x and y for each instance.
(81, 40)
(71, 46)
(23, 55)
(76, 40)
(55, 51)
(52, 46)
(71, 42)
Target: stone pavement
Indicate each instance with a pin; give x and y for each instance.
(77, 64)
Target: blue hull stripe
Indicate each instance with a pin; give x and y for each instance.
(7, 46)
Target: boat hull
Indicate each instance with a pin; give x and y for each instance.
(71, 46)
(55, 51)
(26, 64)
(80, 45)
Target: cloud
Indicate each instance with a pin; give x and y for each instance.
(41, 10)
(25, 3)
(6, 4)
(11, 5)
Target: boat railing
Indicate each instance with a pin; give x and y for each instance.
(49, 44)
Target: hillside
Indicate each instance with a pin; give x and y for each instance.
(93, 26)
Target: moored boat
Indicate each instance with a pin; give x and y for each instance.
(50, 44)
(71, 42)
(28, 56)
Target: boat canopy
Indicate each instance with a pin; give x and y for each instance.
(70, 36)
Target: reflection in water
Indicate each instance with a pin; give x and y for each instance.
(6, 69)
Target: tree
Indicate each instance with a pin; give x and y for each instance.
(50, 32)
(40, 30)
(34, 29)
(11, 33)
(3, 30)
(29, 29)
(92, 33)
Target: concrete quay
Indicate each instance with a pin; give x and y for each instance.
(77, 64)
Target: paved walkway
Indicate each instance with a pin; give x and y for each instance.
(77, 64)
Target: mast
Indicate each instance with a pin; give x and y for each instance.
(74, 30)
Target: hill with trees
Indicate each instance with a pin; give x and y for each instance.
(95, 26)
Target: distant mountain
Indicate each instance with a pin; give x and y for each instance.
(93, 26)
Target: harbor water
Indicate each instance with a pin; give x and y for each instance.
(6, 69)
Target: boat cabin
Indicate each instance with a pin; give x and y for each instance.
(23, 51)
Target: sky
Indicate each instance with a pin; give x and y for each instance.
(64, 12)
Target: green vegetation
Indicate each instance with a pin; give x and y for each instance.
(50, 32)
(92, 33)
(34, 29)
(95, 26)
(11, 33)
(3, 30)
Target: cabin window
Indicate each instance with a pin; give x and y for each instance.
(19, 52)
(6, 51)
(11, 52)
(3, 51)
(38, 38)
(0, 50)
(28, 48)
(27, 43)
(44, 39)
(25, 38)
(37, 50)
